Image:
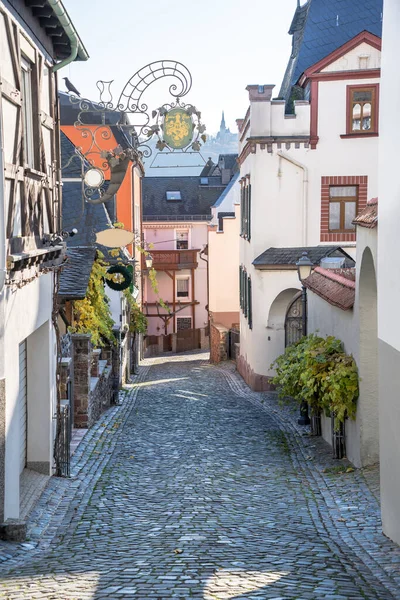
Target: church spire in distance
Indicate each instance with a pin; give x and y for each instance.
(223, 126)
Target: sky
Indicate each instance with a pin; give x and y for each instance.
(225, 44)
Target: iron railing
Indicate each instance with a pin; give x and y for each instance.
(63, 443)
(147, 218)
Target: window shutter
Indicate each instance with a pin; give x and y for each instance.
(250, 307)
(241, 210)
(245, 293)
(249, 214)
(246, 210)
(241, 286)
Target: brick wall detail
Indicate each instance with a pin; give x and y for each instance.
(326, 182)
(219, 340)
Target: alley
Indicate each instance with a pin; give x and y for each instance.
(197, 496)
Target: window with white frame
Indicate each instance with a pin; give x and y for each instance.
(182, 239)
(183, 323)
(182, 287)
(27, 112)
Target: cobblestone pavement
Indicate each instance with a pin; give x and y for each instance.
(197, 488)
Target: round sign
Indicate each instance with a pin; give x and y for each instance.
(94, 178)
(178, 128)
(115, 238)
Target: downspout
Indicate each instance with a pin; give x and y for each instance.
(208, 281)
(3, 220)
(305, 192)
(69, 29)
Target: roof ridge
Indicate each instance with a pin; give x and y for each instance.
(330, 274)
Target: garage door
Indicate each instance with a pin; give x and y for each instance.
(22, 402)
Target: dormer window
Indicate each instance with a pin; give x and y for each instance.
(173, 196)
(362, 110)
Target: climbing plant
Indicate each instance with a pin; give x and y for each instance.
(92, 314)
(138, 321)
(318, 371)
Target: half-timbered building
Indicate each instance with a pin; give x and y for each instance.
(37, 38)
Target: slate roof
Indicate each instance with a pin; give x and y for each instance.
(71, 163)
(76, 271)
(369, 216)
(336, 286)
(288, 257)
(321, 26)
(87, 218)
(197, 199)
(228, 188)
(211, 168)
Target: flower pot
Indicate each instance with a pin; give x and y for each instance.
(338, 439)
(316, 427)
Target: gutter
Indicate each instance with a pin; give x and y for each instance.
(76, 44)
(305, 192)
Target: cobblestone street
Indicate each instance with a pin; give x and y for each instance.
(196, 487)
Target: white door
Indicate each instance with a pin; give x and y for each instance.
(23, 405)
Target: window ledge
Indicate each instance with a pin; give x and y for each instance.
(359, 135)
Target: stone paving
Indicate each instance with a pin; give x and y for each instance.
(196, 487)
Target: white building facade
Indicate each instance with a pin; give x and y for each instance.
(305, 176)
(389, 278)
(30, 201)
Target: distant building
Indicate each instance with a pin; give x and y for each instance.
(175, 164)
(176, 213)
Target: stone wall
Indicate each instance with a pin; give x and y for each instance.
(101, 394)
(94, 381)
(81, 356)
(219, 340)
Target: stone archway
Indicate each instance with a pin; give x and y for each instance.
(368, 409)
(276, 321)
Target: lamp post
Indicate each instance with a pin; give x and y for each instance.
(304, 268)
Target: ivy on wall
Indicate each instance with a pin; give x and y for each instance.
(318, 371)
(92, 314)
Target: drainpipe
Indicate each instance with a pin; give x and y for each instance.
(305, 192)
(73, 37)
(208, 282)
(3, 220)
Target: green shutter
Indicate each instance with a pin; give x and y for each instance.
(250, 304)
(245, 293)
(241, 210)
(249, 214)
(241, 286)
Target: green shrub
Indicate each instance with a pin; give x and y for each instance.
(317, 370)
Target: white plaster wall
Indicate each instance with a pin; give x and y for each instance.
(351, 60)
(265, 342)
(223, 256)
(388, 275)
(325, 319)
(27, 310)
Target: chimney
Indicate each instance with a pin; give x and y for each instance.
(260, 109)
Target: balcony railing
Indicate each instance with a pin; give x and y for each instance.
(172, 259)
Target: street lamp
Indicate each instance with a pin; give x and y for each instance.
(304, 268)
(149, 261)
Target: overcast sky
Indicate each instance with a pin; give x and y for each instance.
(226, 44)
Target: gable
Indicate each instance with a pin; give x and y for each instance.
(364, 41)
(364, 56)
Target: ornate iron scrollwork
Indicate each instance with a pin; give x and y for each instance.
(128, 122)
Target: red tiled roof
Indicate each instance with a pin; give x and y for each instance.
(336, 286)
(369, 216)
